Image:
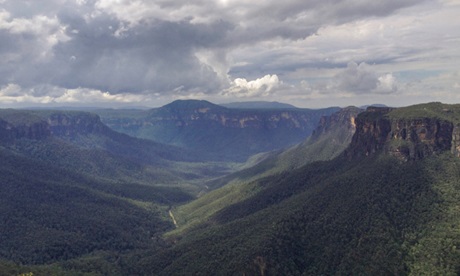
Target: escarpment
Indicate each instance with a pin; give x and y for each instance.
(219, 132)
(15, 129)
(69, 125)
(38, 125)
(456, 140)
(409, 138)
(343, 120)
(35, 131)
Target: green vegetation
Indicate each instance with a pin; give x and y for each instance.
(89, 201)
(448, 112)
(75, 194)
(79, 142)
(50, 214)
(369, 216)
(327, 142)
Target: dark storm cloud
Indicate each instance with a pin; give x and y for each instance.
(295, 19)
(179, 47)
(157, 56)
(31, 8)
(152, 56)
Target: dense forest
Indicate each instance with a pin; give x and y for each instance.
(376, 193)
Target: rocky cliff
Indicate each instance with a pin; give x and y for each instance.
(406, 133)
(36, 131)
(38, 125)
(226, 133)
(16, 125)
(62, 124)
(344, 120)
(330, 138)
(190, 113)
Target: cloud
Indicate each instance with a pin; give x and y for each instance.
(259, 87)
(355, 80)
(387, 84)
(209, 48)
(27, 44)
(362, 78)
(92, 53)
(56, 96)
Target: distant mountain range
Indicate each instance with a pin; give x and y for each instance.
(258, 105)
(218, 132)
(368, 192)
(374, 105)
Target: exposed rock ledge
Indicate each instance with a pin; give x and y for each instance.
(407, 139)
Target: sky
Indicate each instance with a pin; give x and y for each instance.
(309, 53)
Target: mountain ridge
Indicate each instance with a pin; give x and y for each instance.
(259, 104)
(366, 211)
(331, 137)
(410, 137)
(372, 213)
(219, 132)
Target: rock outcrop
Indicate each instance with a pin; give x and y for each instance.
(343, 120)
(62, 124)
(36, 125)
(406, 138)
(455, 149)
(33, 130)
(189, 113)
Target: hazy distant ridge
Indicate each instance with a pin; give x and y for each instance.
(258, 104)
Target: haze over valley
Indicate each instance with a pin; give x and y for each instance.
(80, 197)
(229, 137)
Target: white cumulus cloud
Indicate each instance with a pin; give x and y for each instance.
(259, 87)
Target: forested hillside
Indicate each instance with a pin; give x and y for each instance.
(331, 137)
(372, 210)
(366, 217)
(386, 203)
(73, 188)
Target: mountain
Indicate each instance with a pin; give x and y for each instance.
(387, 205)
(258, 105)
(372, 105)
(69, 163)
(218, 132)
(406, 133)
(75, 191)
(332, 136)
(81, 141)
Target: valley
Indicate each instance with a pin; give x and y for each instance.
(217, 132)
(197, 188)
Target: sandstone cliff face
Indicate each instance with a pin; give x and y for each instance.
(273, 120)
(224, 133)
(36, 131)
(200, 113)
(41, 126)
(194, 113)
(455, 149)
(343, 120)
(61, 124)
(407, 139)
